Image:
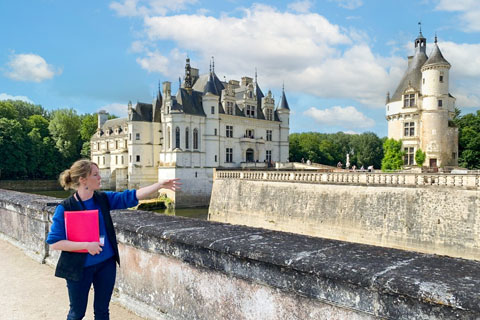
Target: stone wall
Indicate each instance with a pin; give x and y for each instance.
(179, 268)
(427, 213)
(30, 185)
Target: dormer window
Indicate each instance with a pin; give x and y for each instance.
(408, 100)
(269, 114)
(229, 107)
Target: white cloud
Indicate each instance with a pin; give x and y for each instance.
(118, 109)
(131, 8)
(154, 62)
(309, 53)
(4, 96)
(348, 117)
(349, 4)
(300, 6)
(30, 67)
(469, 10)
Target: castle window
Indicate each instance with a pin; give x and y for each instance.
(177, 137)
(248, 110)
(230, 108)
(440, 103)
(186, 139)
(122, 159)
(125, 143)
(441, 79)
(409, 129)
(408, 100)
(269, 156)
(269, 135)
(249, 133)
(215, 131)
(229, 131)
(116, 159)
(130, 158)
(229, 155)
(269, 114)
(137, 136)
(213, 110)
(454, 155)
(116, 144)
(195, 139)
(409, 155)
(130, 136)
(138, 158)
(215, 158)
(98, 145)
(103, 160)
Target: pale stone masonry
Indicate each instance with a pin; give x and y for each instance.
(421, 110)
(207, 124)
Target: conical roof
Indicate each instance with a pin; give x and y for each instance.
(436, 58)
(284, 102)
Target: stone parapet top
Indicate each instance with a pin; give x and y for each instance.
(313, 267)
(463, 181)
(33, 202)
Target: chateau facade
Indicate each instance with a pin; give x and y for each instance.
(421, 110)
(207, 124)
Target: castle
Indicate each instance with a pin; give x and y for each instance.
(208, 124)
(421, 110)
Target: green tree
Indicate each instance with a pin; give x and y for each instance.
(7, 110)
(468, 139)
(368, 150)
(13, 162)
(65, 129)
(87, 130)
(420, 157)
(393, 155)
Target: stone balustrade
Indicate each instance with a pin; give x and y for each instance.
(470, 181)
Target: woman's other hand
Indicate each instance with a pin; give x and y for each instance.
(94, 248)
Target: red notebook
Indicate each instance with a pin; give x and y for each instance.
(82, 226)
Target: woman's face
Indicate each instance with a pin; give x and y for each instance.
(93, 181)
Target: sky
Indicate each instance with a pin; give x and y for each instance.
(336, 59)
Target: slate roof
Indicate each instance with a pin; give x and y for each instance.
(413, 76)
(284, 102)
(436, 58)
(189, 103)
(142, 112)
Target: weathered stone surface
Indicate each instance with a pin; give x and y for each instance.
(372, 280)
(437, 220)
(179, 268)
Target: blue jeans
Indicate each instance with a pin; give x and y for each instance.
(102, 276)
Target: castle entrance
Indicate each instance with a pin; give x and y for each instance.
(433, 163)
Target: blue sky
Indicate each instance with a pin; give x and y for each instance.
(337, 58)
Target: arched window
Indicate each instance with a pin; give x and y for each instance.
(177, 137)
(195, 139)
(187, 145)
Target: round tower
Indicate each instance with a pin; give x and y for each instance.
(438, 138)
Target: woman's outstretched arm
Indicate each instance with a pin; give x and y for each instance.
(172, 184)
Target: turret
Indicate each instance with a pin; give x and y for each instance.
(435, 73)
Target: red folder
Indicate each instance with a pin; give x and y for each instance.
(82, 226)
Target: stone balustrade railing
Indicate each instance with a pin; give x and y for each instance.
(467, 181)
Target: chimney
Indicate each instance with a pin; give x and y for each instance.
(102, 118)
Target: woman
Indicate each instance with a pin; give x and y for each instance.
(96, 267)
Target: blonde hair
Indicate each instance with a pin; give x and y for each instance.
(70, 178)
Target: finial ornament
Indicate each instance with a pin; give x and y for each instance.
(283, 86)
(420, 26)
(435, 37)
(213, 64)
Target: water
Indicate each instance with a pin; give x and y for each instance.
(196, 213)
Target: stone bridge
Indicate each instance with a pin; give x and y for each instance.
(179, 268)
